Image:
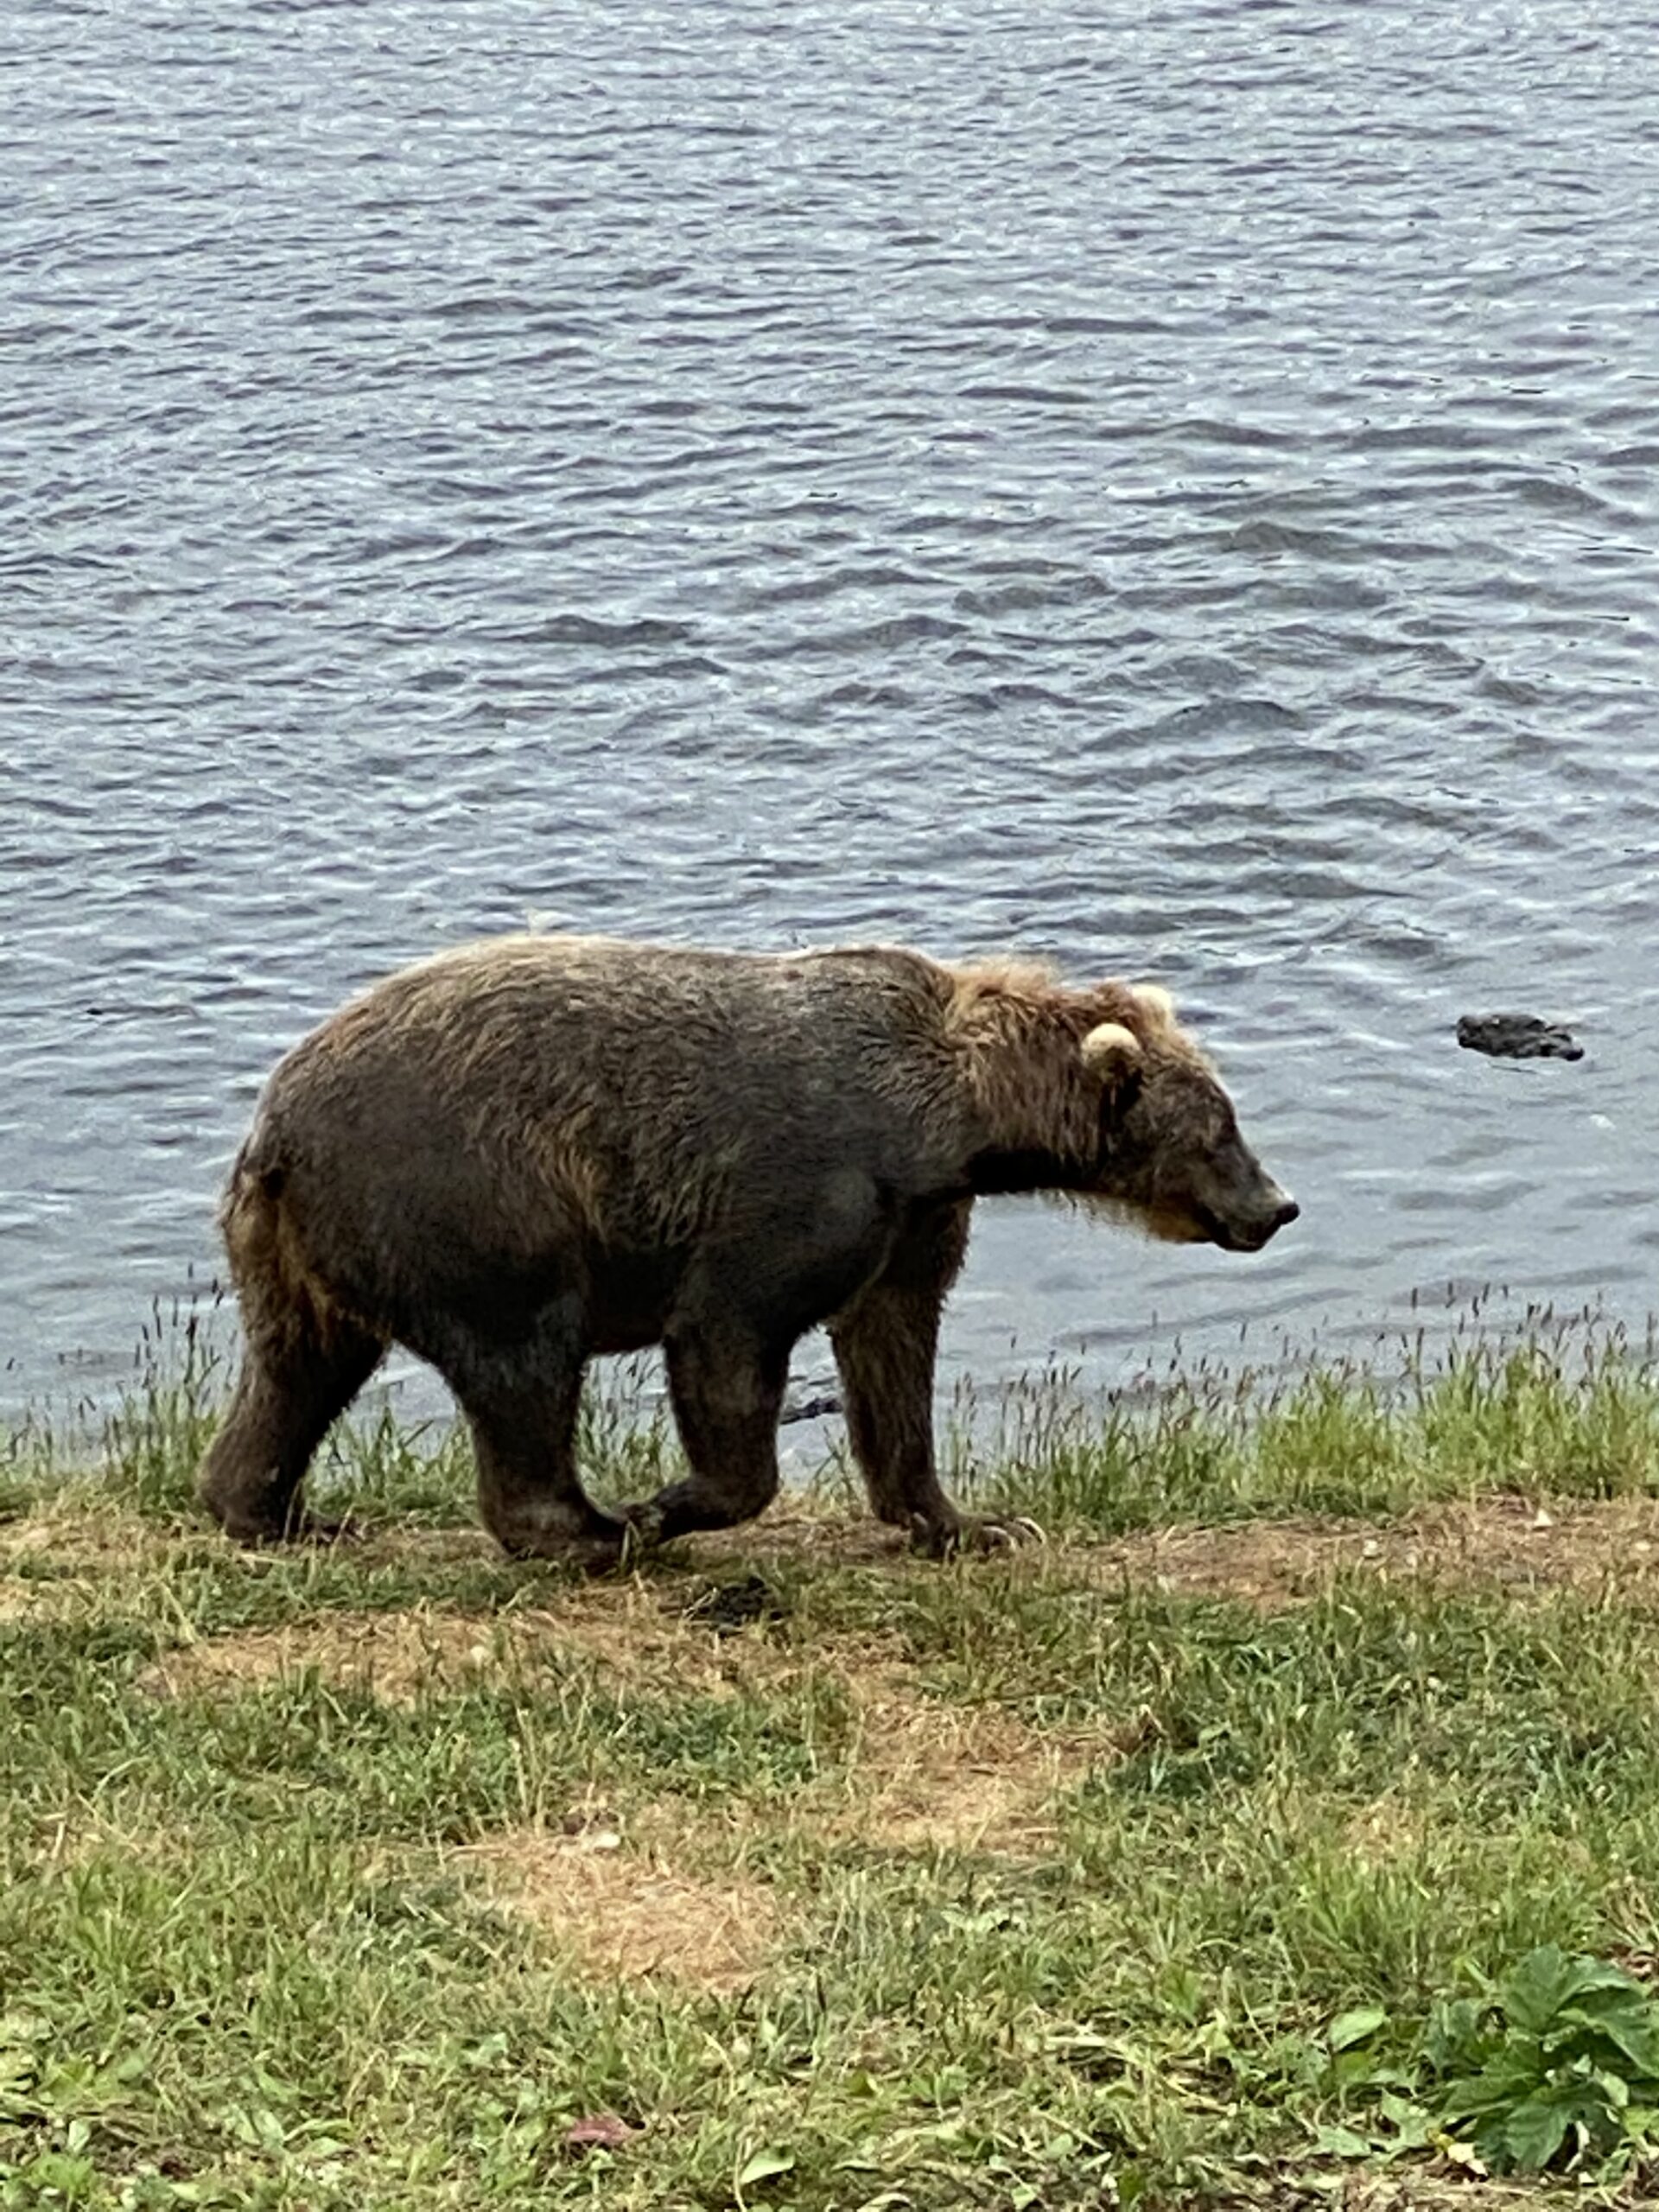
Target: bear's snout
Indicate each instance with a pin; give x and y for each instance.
(1249, 1232)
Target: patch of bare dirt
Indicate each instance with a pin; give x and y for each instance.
(808, 1536)
(622, 1910)
(1449, 2189)
(920, 1773)
(638, 1632)
(1592, 1543)
(800, 1531)
(63, 1562)
(72, 1533)
(1579, 1543)
(1384, 1831)
(629, 1631)
(397, 1657)
(28, 1601)
(924, 1775)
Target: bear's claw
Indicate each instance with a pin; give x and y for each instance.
(973, 1532)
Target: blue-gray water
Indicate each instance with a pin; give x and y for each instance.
(1173, 487)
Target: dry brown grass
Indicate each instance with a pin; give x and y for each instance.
(1580, 1543)
(925, 1775)
(78, 1527)
(1451, 2190)
(397, 1657)
(635, 1637)
(918, 1774)
(641, 1638)
(60, 1558)
(612, 1899)
(62, 1561)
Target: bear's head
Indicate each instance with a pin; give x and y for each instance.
(1171, 1155)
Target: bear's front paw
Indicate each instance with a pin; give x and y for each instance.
(300, 1526)
(318, 1528)
(973, 1532)
(590, 1542)
(642, 1527)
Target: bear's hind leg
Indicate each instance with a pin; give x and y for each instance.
(521, 1404)
(297, 1376)
(728, 1390)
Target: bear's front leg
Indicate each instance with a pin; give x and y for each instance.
(886, 1345)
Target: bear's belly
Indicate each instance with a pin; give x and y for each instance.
(630, 1296)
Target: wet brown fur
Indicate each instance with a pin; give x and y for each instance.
(519, 1154)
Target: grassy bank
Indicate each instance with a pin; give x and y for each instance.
(1198, 1856)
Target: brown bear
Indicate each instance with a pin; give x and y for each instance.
(525, 1152)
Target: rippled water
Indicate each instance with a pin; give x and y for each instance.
(1171, 487)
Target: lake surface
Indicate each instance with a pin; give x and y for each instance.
(1172, 488)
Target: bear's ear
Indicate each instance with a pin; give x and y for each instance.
(1157, 1003)
(1111, 1053)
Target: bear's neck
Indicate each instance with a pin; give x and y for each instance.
(1035, 1118)
(1006, 1171)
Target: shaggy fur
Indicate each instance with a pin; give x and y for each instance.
(529, 1150)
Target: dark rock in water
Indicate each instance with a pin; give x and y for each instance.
(1518, 1037)
(809, 1409)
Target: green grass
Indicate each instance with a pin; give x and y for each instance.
(1570, 1408)
(357, 1877)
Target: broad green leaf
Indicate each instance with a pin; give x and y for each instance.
(1536, 1992)
(1366, 2070)
(1334, 2142)
(1504, 2081)
(1612, 2089)
(1535, 2132)
(1348, 2028)
(1591, 1977)
(1414, 2127)
(766, 2165)
(1455, 2036)
(1633, 2031)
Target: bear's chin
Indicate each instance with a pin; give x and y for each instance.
(1171, 1225)
(1164, 1224)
